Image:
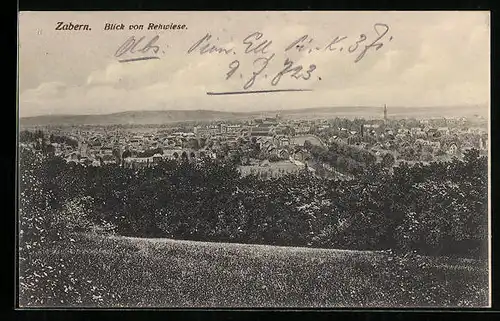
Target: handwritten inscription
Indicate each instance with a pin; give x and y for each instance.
(261, 63)
(257, 44)
(297, 72)
(263, 53)
(361, 45)
(204, 46)
(138, 46)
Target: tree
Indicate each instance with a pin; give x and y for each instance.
(289, 131)
(388, 160)
(202, 142)
(274, 158)
(236, 156)
(116, 154)
(308, 145)
(426, 157)
(194, 144)
(127, 153)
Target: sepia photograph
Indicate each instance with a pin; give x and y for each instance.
(281, 159)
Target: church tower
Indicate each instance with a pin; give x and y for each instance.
(385, 112)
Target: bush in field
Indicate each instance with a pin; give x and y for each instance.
(35, 200)
(44, 223)
(74, 215)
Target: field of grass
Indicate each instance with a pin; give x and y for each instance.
(127, 272)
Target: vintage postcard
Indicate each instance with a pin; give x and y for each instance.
(254, 159)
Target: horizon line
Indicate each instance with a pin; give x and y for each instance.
(252, 112)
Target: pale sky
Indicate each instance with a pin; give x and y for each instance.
(434, 59)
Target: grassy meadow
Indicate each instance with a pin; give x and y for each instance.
(116, 271)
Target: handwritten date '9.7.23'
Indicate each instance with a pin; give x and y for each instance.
(294, 71)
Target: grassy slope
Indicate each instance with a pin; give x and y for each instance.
(161, 273)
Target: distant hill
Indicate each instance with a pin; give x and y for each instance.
(392, 112)
(171, 116)
(134, 117)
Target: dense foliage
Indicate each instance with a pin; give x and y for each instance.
(345, 158)
(50, 212)
(64, 140)
(150, 152)
(30, 136)
(437, 209)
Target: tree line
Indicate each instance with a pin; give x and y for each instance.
(435, 209)
(345, 158)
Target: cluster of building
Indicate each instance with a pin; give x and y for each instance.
(134, 149)
(381, 136)
(275, 138)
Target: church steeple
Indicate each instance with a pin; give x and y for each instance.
(385, 112)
